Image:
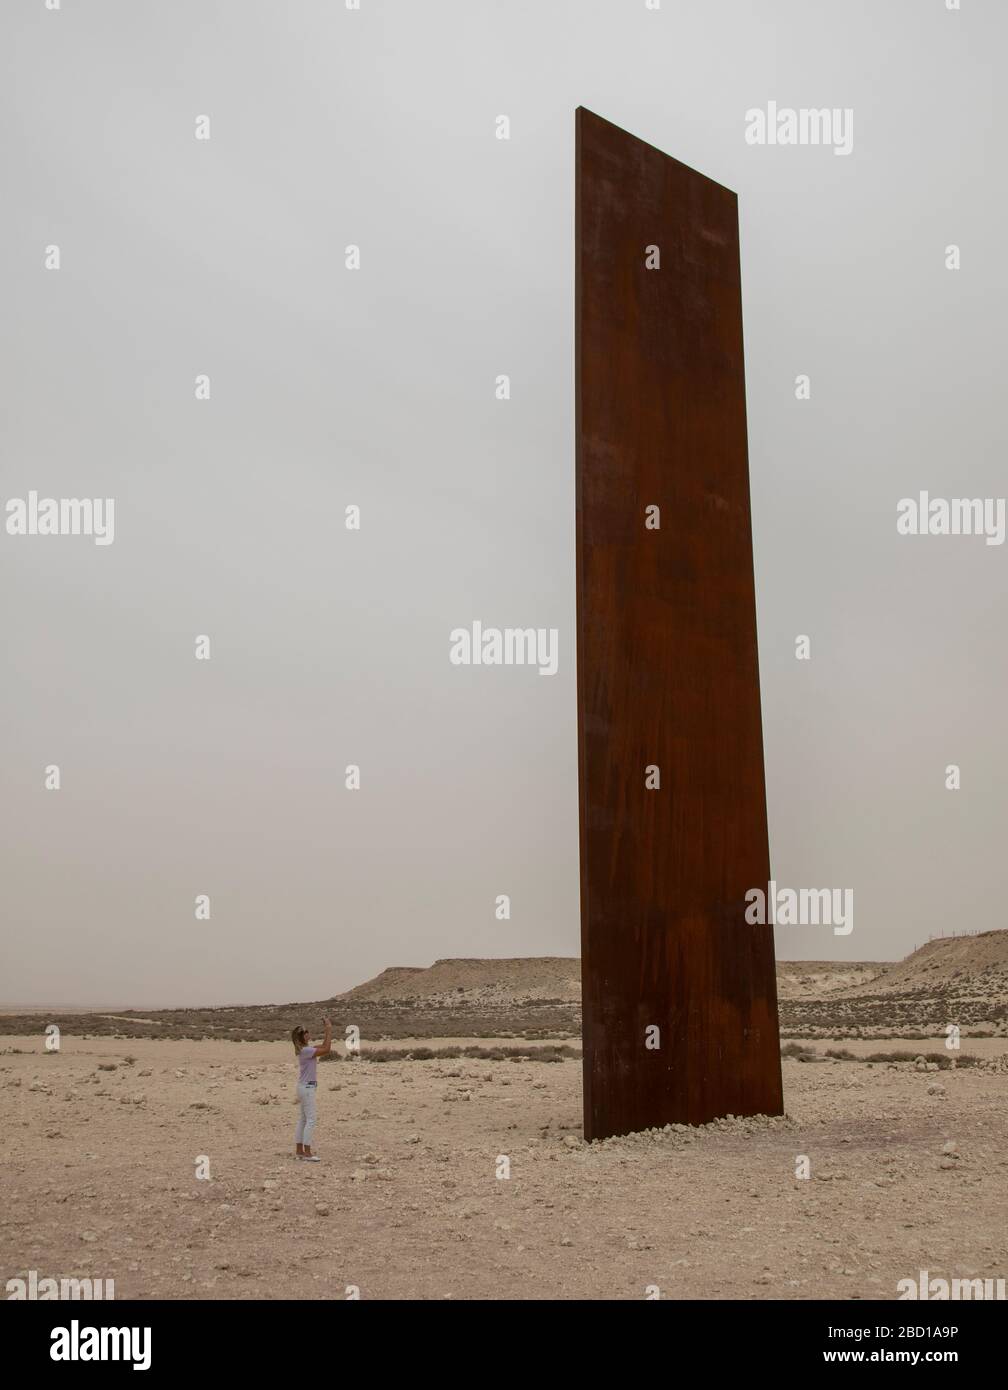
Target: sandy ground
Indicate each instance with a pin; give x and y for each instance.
(99, 1179)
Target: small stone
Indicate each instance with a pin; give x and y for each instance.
(322, 1208)
(88, 1236)
(950, 1147)
(947, 1163)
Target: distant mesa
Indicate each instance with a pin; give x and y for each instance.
(952, 979)
(471, 981)
(977, 963)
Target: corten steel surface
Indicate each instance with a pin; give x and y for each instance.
(667, 661)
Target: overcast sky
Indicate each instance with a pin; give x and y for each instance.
(181, 257)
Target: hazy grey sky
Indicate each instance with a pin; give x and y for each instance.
(180, 257)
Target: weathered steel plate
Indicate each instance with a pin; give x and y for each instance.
(667, 661)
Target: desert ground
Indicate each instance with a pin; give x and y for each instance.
(452, 1161)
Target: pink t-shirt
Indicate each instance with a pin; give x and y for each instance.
(307, 1065)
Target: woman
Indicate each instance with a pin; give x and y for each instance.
(307, 1087)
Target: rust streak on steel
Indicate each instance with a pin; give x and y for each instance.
(667, 661)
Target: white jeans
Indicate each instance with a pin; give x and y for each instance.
(306, 1114)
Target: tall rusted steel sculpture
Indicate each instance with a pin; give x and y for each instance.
(679, 991)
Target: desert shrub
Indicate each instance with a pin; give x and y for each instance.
(558, 1052)
(943, 1059)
